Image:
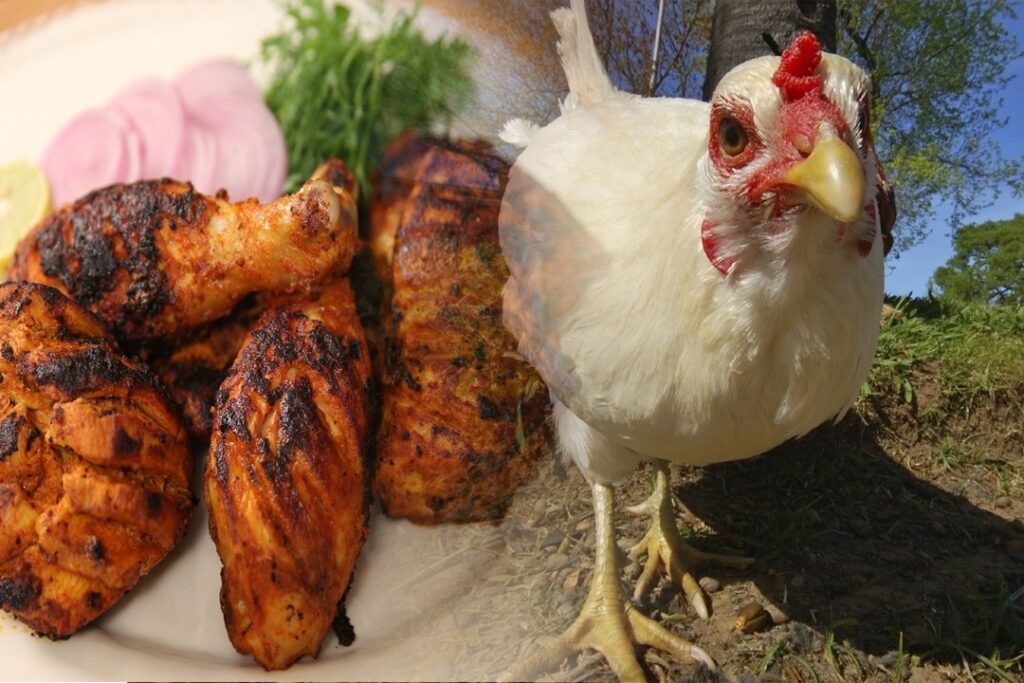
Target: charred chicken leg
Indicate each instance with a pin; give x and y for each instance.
(155, 259)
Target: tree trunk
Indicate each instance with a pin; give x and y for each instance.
(744, 29)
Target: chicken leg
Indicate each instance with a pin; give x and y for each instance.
(666, 550)
(608, 622)
(156, 260)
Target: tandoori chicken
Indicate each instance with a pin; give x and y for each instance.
(463, 416)
(94, 464)
(193, 370)
(156, 259)
(287, 479)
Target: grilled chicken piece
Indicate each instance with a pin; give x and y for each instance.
(94, 464)
(463, 415)
(411, 160)
(155, 259)
(193, 371)
(286, 482)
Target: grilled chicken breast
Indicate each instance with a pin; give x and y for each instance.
(94, 464)
(286, 482)
(155, 259)
(463, 414)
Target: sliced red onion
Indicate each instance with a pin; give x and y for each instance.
(200, 163)
(157, 114)
(216, 76)
(209, 127)
(252, 158)
(88, 153)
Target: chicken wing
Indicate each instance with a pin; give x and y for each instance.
(463, 415)
(154, 259)
(94, 464)
(286, 482)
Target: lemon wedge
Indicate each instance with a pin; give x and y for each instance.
(24, 201)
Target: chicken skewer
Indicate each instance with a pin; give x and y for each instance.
(155, 259)
(708, 298)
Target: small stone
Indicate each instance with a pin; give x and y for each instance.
(1002, 502)
(626, 544)
(552, 540)
(710, 585)
(584, 525)
(797, 581)
(777, 614)
(886, 661)
(752, 617)
(555, 562)
(937, 528)
(537, 514)
(800, 638)
(572, 581)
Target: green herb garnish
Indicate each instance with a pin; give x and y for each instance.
(337, 94)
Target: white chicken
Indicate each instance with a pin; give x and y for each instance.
(696, 282)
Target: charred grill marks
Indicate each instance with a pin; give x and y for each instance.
(109, 428)
(18, 593)
(9, 428)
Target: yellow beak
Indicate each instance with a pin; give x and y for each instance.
(831, 180)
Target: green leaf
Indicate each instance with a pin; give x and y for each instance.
(338, 94)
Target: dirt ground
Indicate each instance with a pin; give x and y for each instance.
(890, 548)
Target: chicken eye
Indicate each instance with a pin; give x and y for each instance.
(732, 139)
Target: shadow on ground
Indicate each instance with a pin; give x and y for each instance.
(854, 545)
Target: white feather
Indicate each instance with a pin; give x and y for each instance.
(518, 132)
(588, 81)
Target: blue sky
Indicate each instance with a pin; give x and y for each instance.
(911, 272)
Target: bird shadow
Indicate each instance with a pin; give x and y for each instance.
(854, 545)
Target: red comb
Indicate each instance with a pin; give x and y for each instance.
(796, 75)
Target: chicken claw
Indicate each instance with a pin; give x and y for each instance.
(607, 622)
(667, 552)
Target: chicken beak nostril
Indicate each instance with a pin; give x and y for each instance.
(830, 179)
(803, 144)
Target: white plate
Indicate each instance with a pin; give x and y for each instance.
(410, 601)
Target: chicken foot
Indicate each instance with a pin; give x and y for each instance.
(666, 551)
(607, 621)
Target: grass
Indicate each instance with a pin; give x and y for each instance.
(968, 351)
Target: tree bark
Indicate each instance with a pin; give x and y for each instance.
(744, 29)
